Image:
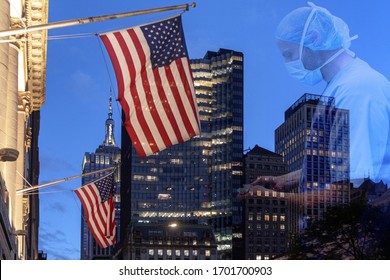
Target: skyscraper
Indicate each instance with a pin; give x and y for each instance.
(106, 155)
(194, 181)
(314, 138)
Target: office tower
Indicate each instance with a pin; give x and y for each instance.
(194, 181)
(106, 155)
(266, 222)
(262, 162)
(314, 138)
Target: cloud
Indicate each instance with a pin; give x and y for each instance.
(57, 246)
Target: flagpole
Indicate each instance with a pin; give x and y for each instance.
(63, 180)
(72, 22)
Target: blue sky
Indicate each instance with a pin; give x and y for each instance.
(79, 82)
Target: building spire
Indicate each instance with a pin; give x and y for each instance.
(110, 139)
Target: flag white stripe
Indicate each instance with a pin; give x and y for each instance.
(173, 104)
(183, 96)
(141, 90)
(159, 107)
(187, 71)
(91, 207)
(127, 80)
(93, 214)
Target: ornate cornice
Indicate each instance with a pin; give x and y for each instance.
(36, 12)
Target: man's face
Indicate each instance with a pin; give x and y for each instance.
(290, 52)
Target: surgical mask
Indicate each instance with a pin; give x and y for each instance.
(310, 77)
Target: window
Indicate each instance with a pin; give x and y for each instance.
(274, 218)
(207, 253)
(151, 252)
(177, 253)
(266, 218)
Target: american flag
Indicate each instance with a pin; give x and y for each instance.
(97, 199)
(155, 84)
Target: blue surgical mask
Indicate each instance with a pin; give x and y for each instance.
(297, 70)
(310, 77)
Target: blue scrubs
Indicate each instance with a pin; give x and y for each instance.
(366, 94)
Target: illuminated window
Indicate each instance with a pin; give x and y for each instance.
(258, 217)
(151, 252)
(258, 257)
(169, 252)
(266, 218)
(207, 253)
(195, 252)
(281, 194)
(274, 194)
(160, 252)
(186, 253)
(282, 218)
(177, 253)
(282, 227)
(274, 218)
(250, 217)
(266, 193)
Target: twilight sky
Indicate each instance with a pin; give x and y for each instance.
(80, 75)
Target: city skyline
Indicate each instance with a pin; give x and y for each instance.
(77, 74)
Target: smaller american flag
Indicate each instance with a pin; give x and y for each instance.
(97, 199)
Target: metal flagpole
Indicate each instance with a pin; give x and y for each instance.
(72, 22)
(63, 180)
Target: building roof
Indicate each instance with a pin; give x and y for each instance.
(257, 150)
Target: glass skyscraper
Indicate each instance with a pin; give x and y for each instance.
(106, 155)
(194, 181)
(314, 139)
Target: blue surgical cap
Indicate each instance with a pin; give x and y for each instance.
(324, 30)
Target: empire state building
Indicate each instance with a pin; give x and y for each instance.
(108, 154)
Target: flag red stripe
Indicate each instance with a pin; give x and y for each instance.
(148, 93)
(125, 106)
(167, 107)
(93, 220)
(179, 102)
(116, 65)
(187, 89)
(138, 107)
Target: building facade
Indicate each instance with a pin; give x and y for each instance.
(172, 241)
(194, 181)
(22, 93)
(262, 162)
(106, 155)
(314, 139)
(266, 222)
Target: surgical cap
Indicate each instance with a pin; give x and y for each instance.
(324, 31)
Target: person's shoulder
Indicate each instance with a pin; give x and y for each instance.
(361, 78)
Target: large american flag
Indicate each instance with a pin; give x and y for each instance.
(97, 199)
(155, 84)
